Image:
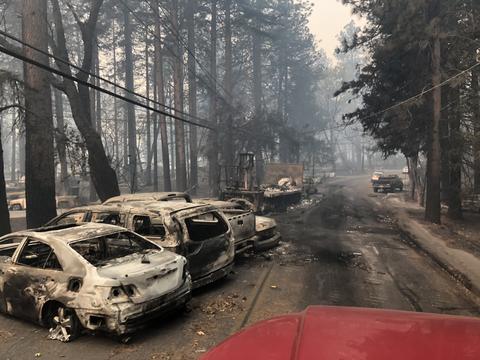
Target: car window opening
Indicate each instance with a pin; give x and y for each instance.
(99, 251)
(39, 255)
(145, 226)
(205, 226)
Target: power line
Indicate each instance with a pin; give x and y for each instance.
(56, 58)
(98, 88)
(421, 94)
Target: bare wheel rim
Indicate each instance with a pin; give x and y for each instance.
(62, 325)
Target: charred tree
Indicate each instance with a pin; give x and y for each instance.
(180, 157)
(116, 139)
(13, 158)
(229, 154)
(455, 158)
(432, 206)
(148, 172)
(213, 166)
(39, 153)
(159, 82)
(192, 93)
(476, 130)
(102, 174)
(132, 129)
(257, 94)
(61, 141)
(4, 213)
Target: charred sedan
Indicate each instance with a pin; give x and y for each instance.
(201, 233)
(93, 276)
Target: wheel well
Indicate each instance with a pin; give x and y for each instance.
(47, 309)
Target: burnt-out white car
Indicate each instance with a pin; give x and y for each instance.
(201, 233)
(94, 276)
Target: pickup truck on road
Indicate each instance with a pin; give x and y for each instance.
(388, 183)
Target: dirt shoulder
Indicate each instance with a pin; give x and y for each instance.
(453, 245)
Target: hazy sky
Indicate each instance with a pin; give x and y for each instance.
(328, 19)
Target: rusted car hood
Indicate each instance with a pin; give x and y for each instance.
(153, 274)
(333, 333)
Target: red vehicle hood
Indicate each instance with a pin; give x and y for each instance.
(334, 333)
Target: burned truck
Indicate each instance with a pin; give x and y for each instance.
(201, 233)
(94, 276)
(281, 186)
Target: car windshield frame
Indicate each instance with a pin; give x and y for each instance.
(104, 253)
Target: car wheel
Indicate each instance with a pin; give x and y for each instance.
(64, 324)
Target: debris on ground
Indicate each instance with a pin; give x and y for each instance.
(223, 304)
(200, 333)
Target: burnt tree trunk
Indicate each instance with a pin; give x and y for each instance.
(4, 213)
(228, 151)
(213, 166)
(257, 96)
(192, 94)
(102, 174)
(132, 130)
(476, 131)
(61, 140)
(116, 140)
(39, 153)
(455, 155)
(432, 206)
(148, 171)
(180, 157)
(13, 158)
(159, 80)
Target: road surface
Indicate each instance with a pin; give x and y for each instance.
(344, 250)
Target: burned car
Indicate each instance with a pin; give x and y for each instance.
(239, 212)
(92, 276)
(201, 233)
(154, 196)
(250, 231)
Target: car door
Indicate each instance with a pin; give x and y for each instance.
(208, 244)
(34, 276)
(8, 246)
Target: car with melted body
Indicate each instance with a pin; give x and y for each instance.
(94, 277)
(201, 233)
(250, 232)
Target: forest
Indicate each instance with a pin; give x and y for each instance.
(111, 96)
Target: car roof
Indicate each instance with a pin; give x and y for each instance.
(157, 196)
(218, 203)
(170, 206)
(68, 233)
(146, 207)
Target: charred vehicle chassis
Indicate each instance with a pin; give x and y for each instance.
(95, 277)
(201, 233)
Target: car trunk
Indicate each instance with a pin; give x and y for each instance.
(154, 273)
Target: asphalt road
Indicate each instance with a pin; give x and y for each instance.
(345, 250)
